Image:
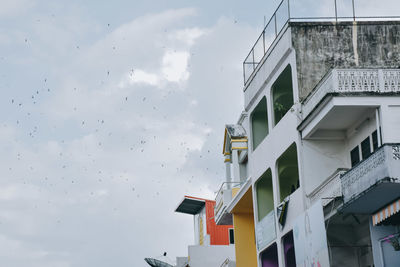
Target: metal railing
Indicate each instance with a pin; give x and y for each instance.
(280, 19)
(266, 38)
(219, 199)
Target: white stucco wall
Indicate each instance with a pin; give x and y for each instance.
(210, 256)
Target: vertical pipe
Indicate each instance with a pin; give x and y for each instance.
(288, 6)
(335, 10)
(263, 33)
(276, 30)
(354, 11)
(378, 128)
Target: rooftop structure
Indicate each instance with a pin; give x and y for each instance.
(213, 244)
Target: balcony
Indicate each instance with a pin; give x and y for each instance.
(224, 196)
(329, 189)
(325, 116)
(372, 183)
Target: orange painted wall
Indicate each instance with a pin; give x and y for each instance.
(219, 234)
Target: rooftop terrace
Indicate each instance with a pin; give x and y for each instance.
(333, 11)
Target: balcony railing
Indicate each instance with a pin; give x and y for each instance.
(272, 29)
(288, 11)
(380, 171)
(329, 189)
(222, 200)
(352, 81)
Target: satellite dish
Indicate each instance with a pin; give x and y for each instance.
(157, 263)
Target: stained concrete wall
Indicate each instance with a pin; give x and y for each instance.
(321, 46)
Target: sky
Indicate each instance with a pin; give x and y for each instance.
(111, 112)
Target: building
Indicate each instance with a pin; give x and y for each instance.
(313, 163)
(213, 244)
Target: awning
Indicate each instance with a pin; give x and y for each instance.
(191, 205)
(390, 212)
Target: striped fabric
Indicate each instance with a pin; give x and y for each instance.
(386, 212)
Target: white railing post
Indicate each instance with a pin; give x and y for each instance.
(335, 82)
(381, 81)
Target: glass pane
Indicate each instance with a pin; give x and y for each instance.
(288, 172)
(259, 122)
(375, 140)
(231, 237)
(355, 156)
(282, 93)
(265, 198)
(365, 148)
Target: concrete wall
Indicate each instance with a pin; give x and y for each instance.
(268, 70)
(210, 256)
(384, 254)
(390, 121)
(181, 261)
(245, 248)
(322, 46)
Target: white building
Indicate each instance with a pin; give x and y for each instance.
(320, 179)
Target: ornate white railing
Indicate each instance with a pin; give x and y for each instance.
(329, 189)
(352, 81)
(382, 164)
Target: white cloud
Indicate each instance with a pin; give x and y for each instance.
(175, 66)
(140, 76)
(188, 35)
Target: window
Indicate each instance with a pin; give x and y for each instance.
(375, 144)
(368, 145)
(365, 148)
(355, 156)
(269, 257)
(264, 191)
(231, 236)
(282, 94)
(259, 122)
(288, 250)
(288, 172)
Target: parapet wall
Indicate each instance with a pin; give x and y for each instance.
(321, 46)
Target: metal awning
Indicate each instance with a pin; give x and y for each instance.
(191, 205)
(388, 215)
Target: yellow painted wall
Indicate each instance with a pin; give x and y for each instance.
(245, 244)
(201, 231)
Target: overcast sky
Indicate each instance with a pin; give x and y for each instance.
(111, 112)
